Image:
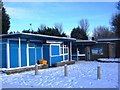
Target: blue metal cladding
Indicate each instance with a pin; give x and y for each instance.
(3, 40)
(55, 50)
(3, 58)
(66, 57)
(35, 52)
(13, 53)
(46, 54)
(1, 55)
(56, 59)
(23, 53)
(32, 56)
(38, 53)
(38, 47)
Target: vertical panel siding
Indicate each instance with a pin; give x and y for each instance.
(32, 56)
(46, 54)
(23, 53)
(55, 50)
(66, 57)
(56, 59)
(13, 53)
(38, 53)
(3, 54)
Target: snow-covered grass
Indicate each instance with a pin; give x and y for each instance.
(80, 75)
(109, 59)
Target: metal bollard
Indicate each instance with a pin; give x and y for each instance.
(65, 70)
(98, 72)
(36, 69)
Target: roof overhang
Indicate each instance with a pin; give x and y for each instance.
(30, 36)
(85, 42)
(109, 39)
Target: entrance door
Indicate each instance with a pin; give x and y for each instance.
(87, 53)
(13, 53)
(32, 56)
(111, 51)
(35, 52)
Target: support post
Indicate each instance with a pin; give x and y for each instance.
(63, 51)
(8, 54)
(65, 70)
(70, 51)
(27, 53)
(77, 54)
(19, 52)
(36, 69)
(98, 72)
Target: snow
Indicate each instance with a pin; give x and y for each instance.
(82, 74)
(109, 59)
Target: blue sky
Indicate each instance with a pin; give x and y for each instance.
(66, 13)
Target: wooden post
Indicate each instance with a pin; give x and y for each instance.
(65, 70)
(36, 69)
(98, 72)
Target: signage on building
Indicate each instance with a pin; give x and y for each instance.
(97, 51)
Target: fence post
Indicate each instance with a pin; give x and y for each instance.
(65, 70)
(36, 69)
(98, 72)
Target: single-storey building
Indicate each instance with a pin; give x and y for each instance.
(92, 50)
(117, 45)
(23, 49)
(102, 50)
(81, 50)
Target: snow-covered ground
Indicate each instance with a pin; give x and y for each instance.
(109, 59)
(80, 75)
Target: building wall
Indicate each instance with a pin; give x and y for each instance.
(46, 53)
(54, 53)
(35, 52)
(117, 47)
(26, 53)
(13, 44)
(3, 53)
(99, 51)
(23, 53)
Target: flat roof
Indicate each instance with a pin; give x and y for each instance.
(36, 37)
(109, 39)
(85, 42)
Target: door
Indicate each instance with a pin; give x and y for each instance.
(111, 51)
(87, 53)
(32, 56)
(3, 55)
(23, 53)
(13, 53)
(35, 52)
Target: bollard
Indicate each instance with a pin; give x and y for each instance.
(98, 72)
(36, 69)
(65, 70)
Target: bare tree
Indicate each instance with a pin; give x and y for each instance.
(84, 24)
(103, 32)
(59, 27)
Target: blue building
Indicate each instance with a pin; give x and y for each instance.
(22, 49)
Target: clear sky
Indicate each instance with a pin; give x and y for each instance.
(68, 14)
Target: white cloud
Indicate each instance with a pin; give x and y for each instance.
(19, 13)
(60, 0)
